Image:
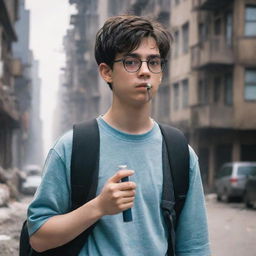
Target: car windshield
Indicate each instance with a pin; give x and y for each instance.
(246, 170)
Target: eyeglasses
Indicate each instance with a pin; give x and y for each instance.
(133, 64)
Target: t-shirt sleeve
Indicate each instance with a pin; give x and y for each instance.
(52, 196)
(192, 237)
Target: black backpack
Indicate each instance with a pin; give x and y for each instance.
(84, 183)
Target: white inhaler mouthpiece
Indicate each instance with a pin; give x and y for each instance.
(149, 86)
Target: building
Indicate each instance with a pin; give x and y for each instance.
(27, 140)
(79, 89)
(9, 68)
(20, 124)
(213, 74)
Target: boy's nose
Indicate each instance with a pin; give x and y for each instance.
(144, 68)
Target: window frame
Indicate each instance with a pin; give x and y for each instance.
(185, 42)
(185, 97)
(249, 84)
(246, 22)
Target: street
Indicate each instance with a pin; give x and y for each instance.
(232, 228)
(11, 219)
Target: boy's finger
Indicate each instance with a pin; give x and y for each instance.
(121, 174)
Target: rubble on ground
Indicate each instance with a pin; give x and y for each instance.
(10, 181)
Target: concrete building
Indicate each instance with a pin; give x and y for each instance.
(27, 141)
(79, 89)
(19, 88)
(213, 74)
(9, 115)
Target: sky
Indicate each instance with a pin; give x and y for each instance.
(49, 20)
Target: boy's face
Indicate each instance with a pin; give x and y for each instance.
(130, 87)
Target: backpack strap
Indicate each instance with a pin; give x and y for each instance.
(175, 156)
(84, 173)
(178, 156)
(84, 162)
(84, 179)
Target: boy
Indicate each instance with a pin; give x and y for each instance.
(131, 53)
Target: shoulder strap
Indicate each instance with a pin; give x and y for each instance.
(176, 147)
(84, 177)
(84, 162)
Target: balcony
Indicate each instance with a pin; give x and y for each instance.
(212, 116)
(210, 5)
(214, 51)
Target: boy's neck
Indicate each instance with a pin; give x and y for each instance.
(129, 119)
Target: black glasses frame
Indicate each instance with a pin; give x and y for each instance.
(163, 64)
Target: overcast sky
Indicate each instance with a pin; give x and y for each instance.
(49, 20)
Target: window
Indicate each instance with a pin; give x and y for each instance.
(176, 44)
(225, 171)
(176, 96)
(250, 84)
(217, 27)
(246, 170)
(203, 33)
(164, 102)
(250, 20)
(185, 38)
(217, 89)
(229, 28)
(185, 93)
(253, 173)
(228, 90)
(248, 152)
(202, 92)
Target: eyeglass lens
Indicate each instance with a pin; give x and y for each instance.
(133, 64)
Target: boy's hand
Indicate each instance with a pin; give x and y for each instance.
(117, 196)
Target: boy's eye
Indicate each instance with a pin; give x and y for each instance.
(131, 62)
(154, 62)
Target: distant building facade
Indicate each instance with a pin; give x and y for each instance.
(28, 145)
(213, 80)
(19, 90)
(9, 114)
(79, 90)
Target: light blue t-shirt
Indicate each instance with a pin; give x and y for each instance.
(146, 235)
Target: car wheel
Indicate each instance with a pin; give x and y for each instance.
(247, 202)
(225, 197)
(218, 197)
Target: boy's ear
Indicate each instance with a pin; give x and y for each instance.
(105, 72)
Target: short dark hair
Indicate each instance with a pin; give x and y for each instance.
(123, 34)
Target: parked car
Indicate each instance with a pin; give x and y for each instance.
(32, 179)
(231, 179)
(250, 189)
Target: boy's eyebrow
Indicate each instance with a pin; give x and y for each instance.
(139, 56)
